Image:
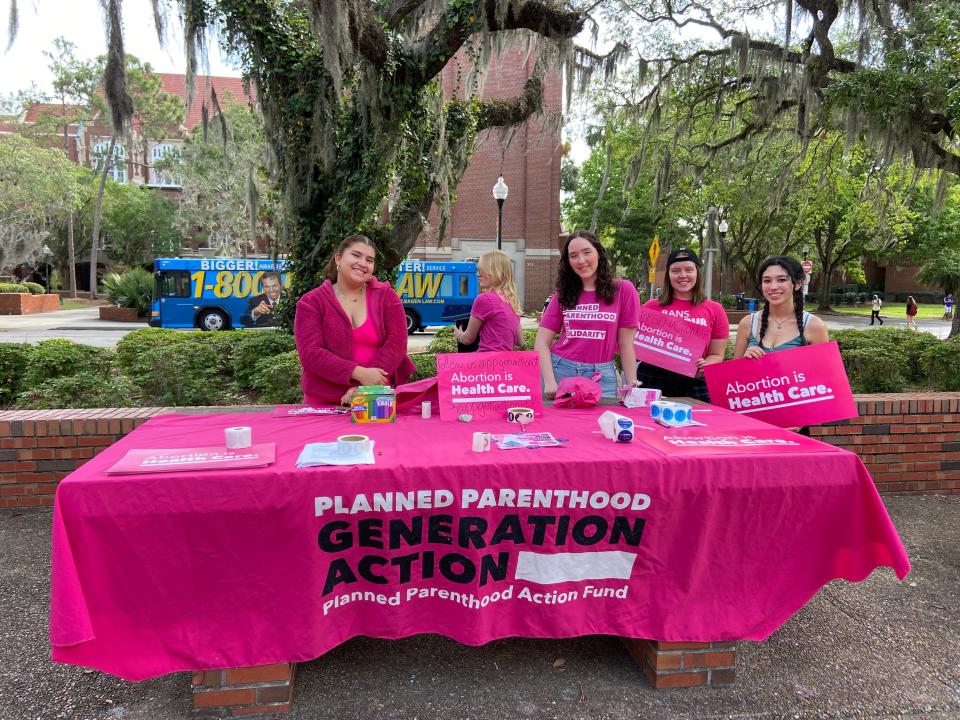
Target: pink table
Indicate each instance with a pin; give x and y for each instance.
(159, 573)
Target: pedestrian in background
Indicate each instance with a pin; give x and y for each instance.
(911, 312)
(875, 310)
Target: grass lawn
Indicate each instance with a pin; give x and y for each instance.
(894, 310)
(74, 304)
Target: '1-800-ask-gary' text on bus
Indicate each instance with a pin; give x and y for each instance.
(217, 293)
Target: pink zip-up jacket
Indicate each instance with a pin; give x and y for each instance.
(324, 338)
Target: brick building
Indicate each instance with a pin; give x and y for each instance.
(88, 142)
(530, 165)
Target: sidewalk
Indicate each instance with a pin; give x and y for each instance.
(878, 649)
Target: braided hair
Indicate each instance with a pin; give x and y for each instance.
(569, 284)
(795, 271)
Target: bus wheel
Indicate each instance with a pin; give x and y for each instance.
(213, 320)
(413, 320)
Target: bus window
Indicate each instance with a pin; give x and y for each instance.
(446, 285)
(174, 284)
(464, 285)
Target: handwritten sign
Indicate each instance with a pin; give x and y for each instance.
(486, 384)
(192, 459)
(672, 343)
(801, 386)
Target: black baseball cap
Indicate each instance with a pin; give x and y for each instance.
(683, 255)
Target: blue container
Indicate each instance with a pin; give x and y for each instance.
(751, 304)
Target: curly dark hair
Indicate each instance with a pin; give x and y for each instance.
(569, 284)
(795, 271)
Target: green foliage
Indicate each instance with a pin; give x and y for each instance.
(871, 372)
(35, 288)
(134, 345)
(58, 358)
(139, 223)
(14, 288)
(252, 346)
(942, 364)
(132, 289)
(886, 359)
(180, 374)
(14, 360)
(175, 368)
(426, 366)
(83, 390)
(443, 341)
(34, 195)
(277, 379)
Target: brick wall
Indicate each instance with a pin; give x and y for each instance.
(40, 447)
(910, 443)
(530, 166)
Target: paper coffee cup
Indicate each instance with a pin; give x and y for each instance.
(481, 441)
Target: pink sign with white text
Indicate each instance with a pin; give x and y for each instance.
(485, 384)
(201, 458)
(801, 386)
(671, 343)
(706, 441)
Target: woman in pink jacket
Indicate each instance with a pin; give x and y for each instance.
(351, 330)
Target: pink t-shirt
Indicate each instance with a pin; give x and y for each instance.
(366, 342)
(500, 323)
(709, 313)
(588, 332)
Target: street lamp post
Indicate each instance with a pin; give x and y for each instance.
(709, 249)
(722, 229)
(806, 274)
(500, 191)
(45, 253)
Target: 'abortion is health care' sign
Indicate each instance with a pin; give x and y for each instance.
(486, 384)
(802, 386)
(671, 343)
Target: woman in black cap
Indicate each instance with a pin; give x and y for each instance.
(683, 298)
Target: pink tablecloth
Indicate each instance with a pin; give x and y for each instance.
(186, 571)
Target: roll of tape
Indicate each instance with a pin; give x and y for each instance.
(238, 438)
(352, 445)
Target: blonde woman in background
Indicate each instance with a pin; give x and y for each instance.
(495, 315)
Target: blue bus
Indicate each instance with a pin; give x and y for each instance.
(436, 293)
(217, 293)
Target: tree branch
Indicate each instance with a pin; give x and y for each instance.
(445, 38)
(513, 111)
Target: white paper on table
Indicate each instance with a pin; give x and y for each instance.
(525, 440)
(316, 454)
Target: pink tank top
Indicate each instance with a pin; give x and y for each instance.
(366, 342)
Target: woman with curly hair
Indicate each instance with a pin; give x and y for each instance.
(595, 315)
(782, 324)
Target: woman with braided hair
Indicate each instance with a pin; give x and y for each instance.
(782, 324)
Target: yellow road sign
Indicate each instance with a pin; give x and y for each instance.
(653, 276)
(654, 250)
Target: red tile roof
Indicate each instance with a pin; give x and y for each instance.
(36, 110)
(226, 87)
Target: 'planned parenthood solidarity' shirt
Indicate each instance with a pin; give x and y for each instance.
(588, 332)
